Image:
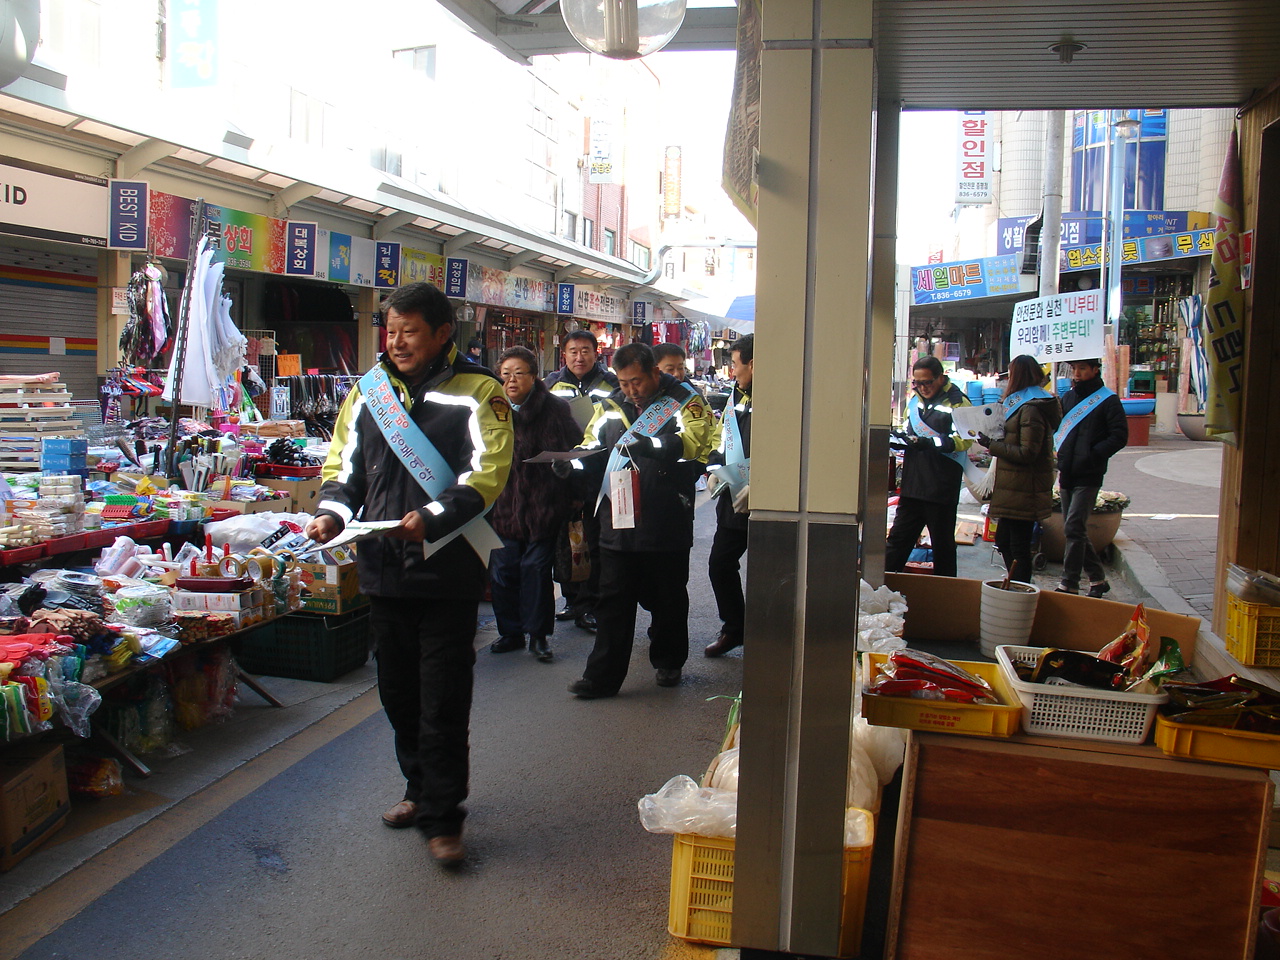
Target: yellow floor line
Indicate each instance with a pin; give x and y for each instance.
(42, 914)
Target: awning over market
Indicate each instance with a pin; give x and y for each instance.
(732, 311)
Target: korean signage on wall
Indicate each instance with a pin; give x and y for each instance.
(245, 241)
(419, 266)
(504, 289)
(973, 160)
(1067, 326)
(192, 32)
(52, 204)
(964, 279)
(300, 249)
(1192, 243)
(455, 277)
(127, 215)
(601, 154)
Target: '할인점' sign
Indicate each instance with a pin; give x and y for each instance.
(1067, 326)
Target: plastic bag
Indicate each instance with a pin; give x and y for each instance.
(723, 773)
(681, 806)
(75, 703)
(857, 827)
(863, 782)
(884, 746)
(248, 530)
(95, 777)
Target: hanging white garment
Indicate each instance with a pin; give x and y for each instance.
(199, 386)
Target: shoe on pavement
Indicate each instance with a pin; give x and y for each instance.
(447, 851)
(585, 621)
(566, 614)
(1063, 588)
(403, 814)
(1098, 589)
(585, 689)
(722, 645)
(506, 644)
(669, 678)
(541, 649)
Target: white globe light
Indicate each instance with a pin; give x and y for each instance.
(623, 29)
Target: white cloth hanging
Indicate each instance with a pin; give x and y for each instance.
(200, 384)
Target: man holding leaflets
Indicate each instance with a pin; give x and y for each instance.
(584, 384)
(933, 467)
(1093, 429)
(729, 467)
(425, 438)
(642, 490)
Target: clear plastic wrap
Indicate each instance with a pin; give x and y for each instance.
(857, 827)
(75, 703)
(681, 806)
(248, 530)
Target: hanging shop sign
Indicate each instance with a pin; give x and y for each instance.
(964, 280)
(127, 214)
(1086, 228)
(192, 32)
(336, 265)
(592, 304)
(564, 298)
(973, 160)
(602, 148)
(52, 204)
(386, 264)
(504, 289)
(242, 240)
(419, 266)
(1174, 246)
(300, 243)
(455, 277)
(363, 257)
(639, 312)
(1067, 326)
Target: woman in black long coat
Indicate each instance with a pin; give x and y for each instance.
(530, 511)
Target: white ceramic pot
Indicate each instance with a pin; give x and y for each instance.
(1005, 616)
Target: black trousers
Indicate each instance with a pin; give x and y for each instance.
(723, 568)
(520, 578)
(657, 581)
(1013, 540)
(426, 660)
(912, 517)
(582, 596)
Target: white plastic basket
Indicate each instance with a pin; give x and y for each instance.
(1072, 711)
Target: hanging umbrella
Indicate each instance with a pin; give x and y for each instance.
(1192, 311)
(735, 311)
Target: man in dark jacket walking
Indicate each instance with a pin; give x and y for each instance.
(584, 384)
(424, 438)
(530, 510)
(1093, 429)
(648, 431)
(931, 471)
(730, 466)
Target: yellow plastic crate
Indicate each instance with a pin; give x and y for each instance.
(701, 907)
(1253, 632)
(1241, 748)
(942, 716)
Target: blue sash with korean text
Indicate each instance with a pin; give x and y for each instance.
(647, 424)
(922, 429)
(419, 456)
(1013, 401)
(1078, 413)
(736, 469)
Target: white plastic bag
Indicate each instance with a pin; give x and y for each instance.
(724, 771)
(884, 746)
(857, 827)
(248, 530)
(864, 782)
(681, 806)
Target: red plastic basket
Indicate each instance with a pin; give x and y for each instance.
(77, 541)
(102, 538)
(148, 528)
(14, 555)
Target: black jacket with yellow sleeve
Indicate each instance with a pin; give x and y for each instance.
(462, 410)
(666, 481)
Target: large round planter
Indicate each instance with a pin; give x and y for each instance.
(1101, 529)
(1005, 616)
(1192, 426)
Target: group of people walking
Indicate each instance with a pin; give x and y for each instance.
(1075, 436)
(487, 469)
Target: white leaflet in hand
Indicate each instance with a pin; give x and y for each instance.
(971, 421)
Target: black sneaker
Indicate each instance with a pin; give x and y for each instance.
(585, 689)
(1099, 589)
(506, 644)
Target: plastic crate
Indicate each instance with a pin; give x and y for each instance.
(307, 646)
(1051, 710)
(1241, 748)
(76, 541)
(1253, 632)
(941, 716)
(701, 906)
(12, 555)
(286, 472)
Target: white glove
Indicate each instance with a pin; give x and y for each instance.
(741, 498)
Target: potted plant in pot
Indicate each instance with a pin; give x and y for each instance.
(1104, 522)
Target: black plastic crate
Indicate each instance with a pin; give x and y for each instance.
(307, 646)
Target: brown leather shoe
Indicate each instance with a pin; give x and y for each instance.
(403, 814)
(447, 850)
(722, 645)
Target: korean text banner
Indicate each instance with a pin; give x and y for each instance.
(52, 204)
(964, 279)
(973, 160)
(1173, 246)
(245, 241)
(1063, 327)
(419, 266)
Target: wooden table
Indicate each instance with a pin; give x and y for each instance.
(1074, 850)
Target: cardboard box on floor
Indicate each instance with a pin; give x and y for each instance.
(34, 801)
(946, 608)
(305, 493)
(332, 588)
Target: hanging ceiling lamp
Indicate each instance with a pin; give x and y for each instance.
(623, 29)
